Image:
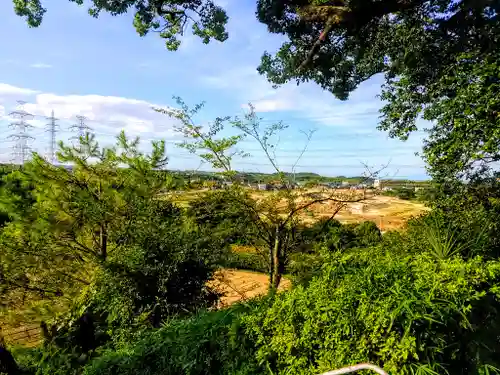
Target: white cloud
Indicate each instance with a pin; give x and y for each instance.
(9, 91)
(107, 115)
(306, 101)
(40, 66)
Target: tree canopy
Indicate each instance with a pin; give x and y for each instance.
(438, 58)
(169, 18)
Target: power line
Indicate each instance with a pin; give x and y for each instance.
(21, 127)
(81, 127)
(125, 122)
(52, 129)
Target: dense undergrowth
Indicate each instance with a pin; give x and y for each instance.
(423, 300)
(408, 313)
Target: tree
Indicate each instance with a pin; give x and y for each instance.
(465, 140)
(169, 18)
(225, 214)
(439, 58)
(82, 214)
(276, 218)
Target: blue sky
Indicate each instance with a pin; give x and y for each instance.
(74, 64)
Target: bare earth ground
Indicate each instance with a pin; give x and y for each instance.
(235, 285)
(388, 213)
(241, 285)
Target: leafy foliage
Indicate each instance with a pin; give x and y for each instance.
(439, 58)
(81, 214)
(225, 213)
(404, 313)
(463, 104)
(103, 237)
(168, 18)
(208, 343)
(246, 261)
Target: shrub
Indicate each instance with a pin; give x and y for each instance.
(302, 267)
(405, 313)
(367, 234)
(225, 215)
(246, 261)
(206, 344)
(469, 232)
(408, 313)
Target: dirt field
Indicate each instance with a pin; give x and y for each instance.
(241, 285)
(387, 212)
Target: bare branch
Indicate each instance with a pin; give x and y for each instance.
(308, 136)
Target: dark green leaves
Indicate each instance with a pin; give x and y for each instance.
(31, 10)
(438, 56)
(169, 18)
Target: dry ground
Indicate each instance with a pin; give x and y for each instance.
(235, 285)
(387, 212)
(241, 285)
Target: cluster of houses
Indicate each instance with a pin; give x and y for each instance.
(377, 184)
(267, 186)
(298, 184)
(346, 185)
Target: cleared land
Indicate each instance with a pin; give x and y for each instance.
(237, 285)
(388, 213)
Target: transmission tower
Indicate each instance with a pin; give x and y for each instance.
(21, 149)
(52, 129)
(81, 127)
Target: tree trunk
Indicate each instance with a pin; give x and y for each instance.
(277, 266)
(104, 241)
(271, 267)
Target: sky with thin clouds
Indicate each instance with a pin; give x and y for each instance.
(74, 65)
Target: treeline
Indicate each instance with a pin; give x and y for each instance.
(189, 178)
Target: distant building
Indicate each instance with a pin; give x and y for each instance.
(263, 186)
(377, 184)
(345, 183)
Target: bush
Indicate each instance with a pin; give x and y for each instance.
(470, 232)
(153, 275)
(225, 215)
(408, 314)
(160, 276)
(367, 234)
(246, 261)
(209, 343)
(302, 267)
